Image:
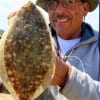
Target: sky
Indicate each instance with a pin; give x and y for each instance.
(7, 6)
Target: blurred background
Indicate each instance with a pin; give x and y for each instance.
(7, 6)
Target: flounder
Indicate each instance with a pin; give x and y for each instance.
(27, 55)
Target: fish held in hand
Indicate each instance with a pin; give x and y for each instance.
(27, 55)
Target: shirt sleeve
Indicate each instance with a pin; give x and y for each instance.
(81, 87)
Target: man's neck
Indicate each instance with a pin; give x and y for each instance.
(72, 36)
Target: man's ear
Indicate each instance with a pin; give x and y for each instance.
(86, 7)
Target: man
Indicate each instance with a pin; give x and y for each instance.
(77, 75)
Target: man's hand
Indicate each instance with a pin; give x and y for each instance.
(12, 15)
(62, 72)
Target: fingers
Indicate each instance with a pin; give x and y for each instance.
(12, 14)
(60, 72)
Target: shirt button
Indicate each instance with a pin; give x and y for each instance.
(83, 82)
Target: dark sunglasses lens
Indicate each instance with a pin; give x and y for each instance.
(52, 4)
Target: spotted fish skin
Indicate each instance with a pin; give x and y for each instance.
(28, 54)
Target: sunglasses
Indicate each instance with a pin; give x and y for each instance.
(52, 4)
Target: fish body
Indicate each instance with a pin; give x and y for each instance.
(27, 56)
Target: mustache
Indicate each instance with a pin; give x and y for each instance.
(58, 16)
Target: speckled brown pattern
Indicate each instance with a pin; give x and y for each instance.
(28, 53)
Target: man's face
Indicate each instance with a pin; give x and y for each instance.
(66, 17)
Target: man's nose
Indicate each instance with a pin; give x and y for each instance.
(60, 9)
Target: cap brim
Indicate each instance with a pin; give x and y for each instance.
(43, 4)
